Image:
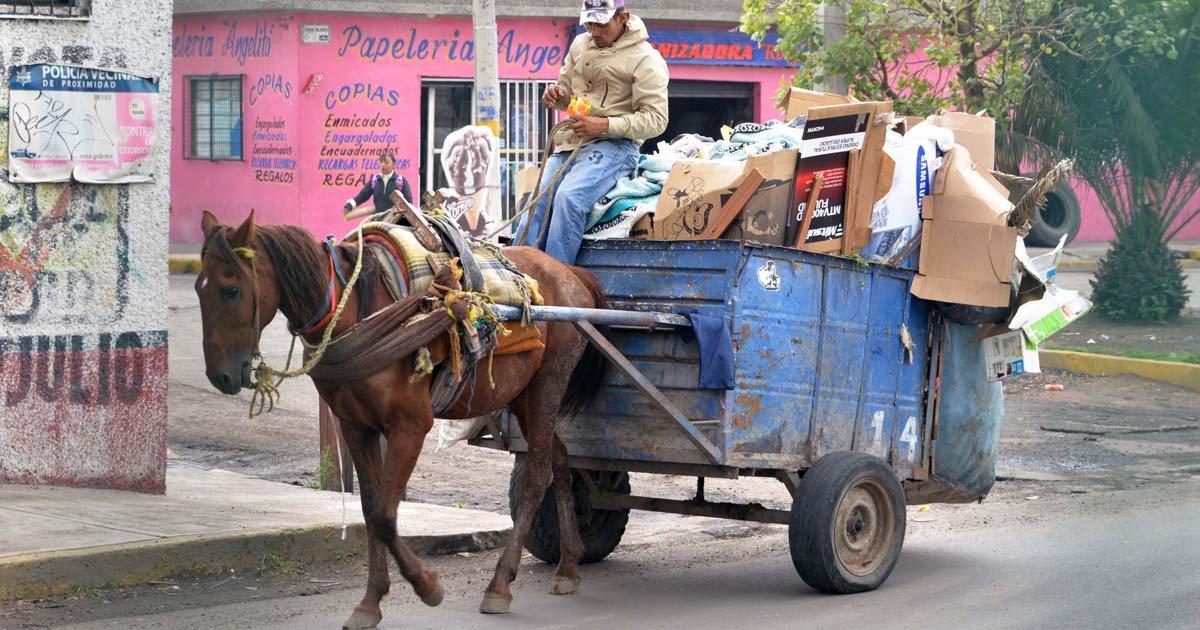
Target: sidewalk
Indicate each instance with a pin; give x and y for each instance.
(55, 540)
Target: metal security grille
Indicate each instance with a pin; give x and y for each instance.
(216, 130)
(523, 127)
(524, 124)
(45, 8)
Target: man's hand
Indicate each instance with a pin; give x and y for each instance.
(589, 126)
(555, 97)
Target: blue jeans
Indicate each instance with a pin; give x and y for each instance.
(592, 174)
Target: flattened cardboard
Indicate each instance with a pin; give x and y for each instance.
(976, 133)
(797, 101)
(830, 134)
(967, 248)
(870, 176)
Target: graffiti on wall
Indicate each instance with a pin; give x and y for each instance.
(89, 407)
(64, 248)
(89, 370)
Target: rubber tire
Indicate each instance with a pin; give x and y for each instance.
(601, 533)
(814, 510)
(1061, 215)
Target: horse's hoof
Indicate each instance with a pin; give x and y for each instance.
(495, 604)
(362, 620)
(564, 585)
(434, 597)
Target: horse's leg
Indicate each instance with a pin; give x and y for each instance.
(566, 576)
(403, 447)
(364, 448)
(537, 425)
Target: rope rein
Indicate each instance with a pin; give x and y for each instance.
(266, 379)
(539, 192)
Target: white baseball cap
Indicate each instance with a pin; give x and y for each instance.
(599, 11)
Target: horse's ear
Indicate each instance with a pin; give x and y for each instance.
(244, 236)
(208, 222)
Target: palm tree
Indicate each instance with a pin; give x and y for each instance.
(1131, 122)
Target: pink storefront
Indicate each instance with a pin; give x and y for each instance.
(285, 112)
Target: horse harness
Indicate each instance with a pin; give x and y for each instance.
(474, 340)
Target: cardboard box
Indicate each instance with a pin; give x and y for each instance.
(696, 190)
(1009, 354)
(1041, 319)
(975, 132)
(845, 144)
(967, 247)
(643, 229)
(764, 218)
(797, 101)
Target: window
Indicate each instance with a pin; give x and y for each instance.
(216, 118)
(46, 8)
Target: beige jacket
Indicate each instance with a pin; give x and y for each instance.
(627, 82)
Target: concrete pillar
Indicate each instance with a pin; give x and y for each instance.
(833, 22)
(83, 274)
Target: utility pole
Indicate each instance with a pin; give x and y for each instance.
(487, 87)
(832, 16)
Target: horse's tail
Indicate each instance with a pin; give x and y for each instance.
(592, 367)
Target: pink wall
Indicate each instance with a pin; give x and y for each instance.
(367, 100)
(1095, 226)
(264, 49)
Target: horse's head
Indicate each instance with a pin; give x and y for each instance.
(232, 301)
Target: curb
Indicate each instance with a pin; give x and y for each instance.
(1184, 375)
(1191, 262)
(46, 574)
(184, 263)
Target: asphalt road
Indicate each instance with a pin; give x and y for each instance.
(1098, 560)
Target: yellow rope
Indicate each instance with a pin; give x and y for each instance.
(266, 380)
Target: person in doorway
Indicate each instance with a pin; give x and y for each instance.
(614, 67)
(379, 189)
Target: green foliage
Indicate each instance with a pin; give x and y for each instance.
(956, 54)
(275, 563)
(1131, 123)
(1129, 120)
(1138, 279)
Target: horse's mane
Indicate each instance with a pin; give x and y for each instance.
(301, 265)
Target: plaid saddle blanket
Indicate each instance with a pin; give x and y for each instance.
(503, 282)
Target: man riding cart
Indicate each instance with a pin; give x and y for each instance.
(621, 82)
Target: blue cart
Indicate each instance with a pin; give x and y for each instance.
(857, 396)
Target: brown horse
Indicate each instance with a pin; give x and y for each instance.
(250, 272)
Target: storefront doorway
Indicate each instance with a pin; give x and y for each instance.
(702, 107)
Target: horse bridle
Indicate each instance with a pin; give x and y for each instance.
(247, 253)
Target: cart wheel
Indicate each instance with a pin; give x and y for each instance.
(601, 530)
(847, 523)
